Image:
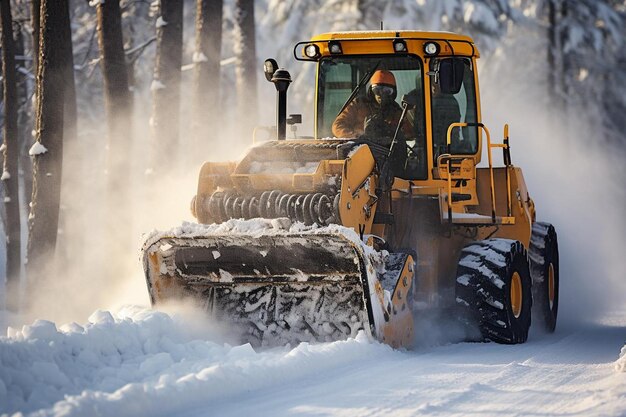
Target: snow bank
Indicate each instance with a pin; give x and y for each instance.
(620, 364)
(141, 362)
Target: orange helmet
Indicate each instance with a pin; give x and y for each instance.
(383, 77)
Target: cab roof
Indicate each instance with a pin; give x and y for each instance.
(387, 34)
(453, 43)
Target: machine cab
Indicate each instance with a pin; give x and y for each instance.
(435, 80)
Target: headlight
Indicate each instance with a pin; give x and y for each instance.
(399, 46)
(334, 47)
(311, 51)
(431, 48)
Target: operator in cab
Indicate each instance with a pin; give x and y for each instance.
(374, 117)
(445, 109)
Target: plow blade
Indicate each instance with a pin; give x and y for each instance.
(270, 289)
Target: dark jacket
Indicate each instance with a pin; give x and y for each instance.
(381, 123)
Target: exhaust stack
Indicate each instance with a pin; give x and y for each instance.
(281, 79)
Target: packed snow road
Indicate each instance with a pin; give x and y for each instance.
(141, 362)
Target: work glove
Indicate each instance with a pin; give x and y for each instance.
(377, 130)
(373, 125)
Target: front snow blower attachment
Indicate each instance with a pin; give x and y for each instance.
(277, 286)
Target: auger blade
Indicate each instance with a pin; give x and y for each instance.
(274, 289)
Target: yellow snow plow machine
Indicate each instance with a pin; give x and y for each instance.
(317, 239)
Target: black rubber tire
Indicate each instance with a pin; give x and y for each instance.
(483, 289)
(543, 254)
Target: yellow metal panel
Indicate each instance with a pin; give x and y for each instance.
(463, 167)
(519, 229)
(212, 175)
(398, 331)
(357, 203)
(389, 34)
(369, 34)
(479, 116)
(429, 122)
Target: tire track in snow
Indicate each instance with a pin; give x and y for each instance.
(568, 373)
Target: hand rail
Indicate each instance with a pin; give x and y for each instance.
(507, 161)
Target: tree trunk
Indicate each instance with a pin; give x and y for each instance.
(166, 85)
(35, 21)
(206, 60)
(117, 95)
(48, 151)
(11, 146)
(552, 52)
(246, 65)
(557, 70)
(565, 56)
(70, 116)
(24, 121)
(118, 106)
(557, 57)
(69, 142)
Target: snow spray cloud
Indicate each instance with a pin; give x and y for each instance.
(96, 271)
(575, 187)
(573, 176)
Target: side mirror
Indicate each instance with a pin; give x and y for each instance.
(269, 68)
(294, 119)
(451, 71)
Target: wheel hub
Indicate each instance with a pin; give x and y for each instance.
(516, 294)
(551, 289)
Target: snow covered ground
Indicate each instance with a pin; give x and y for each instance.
(142, 362)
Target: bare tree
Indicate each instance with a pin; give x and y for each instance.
(206, 60)
(556, 69)
(118, 100)
(69, 138)
(35, 20)
(246, 69)
(48, 149)
(11, 157)
(166, 84)
(118, 106)
(24, 116)
(70, 116)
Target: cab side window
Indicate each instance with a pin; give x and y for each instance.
(448, 108)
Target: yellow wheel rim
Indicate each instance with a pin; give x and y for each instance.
(516, 295)
(551, 289)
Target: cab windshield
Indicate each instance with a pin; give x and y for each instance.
(343, 79)
(339, 77)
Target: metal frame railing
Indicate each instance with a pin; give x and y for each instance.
(507, 163)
